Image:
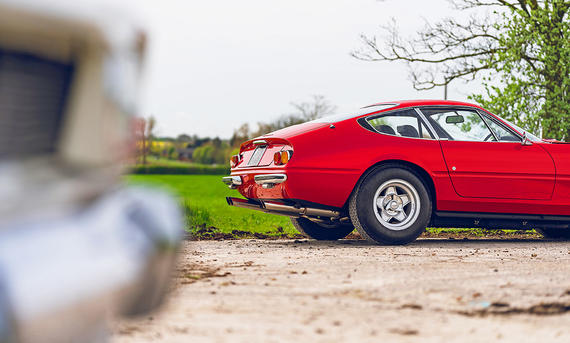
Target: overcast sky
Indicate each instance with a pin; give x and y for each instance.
(213, 65)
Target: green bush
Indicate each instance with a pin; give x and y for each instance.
(204, 154)
(181, 170)
(214, 152)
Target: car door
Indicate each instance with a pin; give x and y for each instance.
(486, 159)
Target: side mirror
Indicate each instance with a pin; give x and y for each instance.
(526, 140)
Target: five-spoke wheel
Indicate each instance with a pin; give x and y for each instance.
(397, 204)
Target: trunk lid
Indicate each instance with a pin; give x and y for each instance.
(259, 152)
(294, 130)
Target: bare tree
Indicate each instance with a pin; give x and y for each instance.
(318, 107)
(440, 52)
(240, 135)
(146, 134)
(524, 45)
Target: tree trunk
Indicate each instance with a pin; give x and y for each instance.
(144, 149)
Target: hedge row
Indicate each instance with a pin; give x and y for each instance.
(181, 170)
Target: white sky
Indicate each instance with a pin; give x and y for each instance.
(213, 65)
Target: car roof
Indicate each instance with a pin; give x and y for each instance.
(389, 105)
(425, 102)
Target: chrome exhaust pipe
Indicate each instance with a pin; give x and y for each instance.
(301, 212)
(284, 210)
(244, 203)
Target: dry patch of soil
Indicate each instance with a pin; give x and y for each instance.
(433, 290)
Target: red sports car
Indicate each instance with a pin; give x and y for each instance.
(391, 169)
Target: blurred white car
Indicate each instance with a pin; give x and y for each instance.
(76, 246)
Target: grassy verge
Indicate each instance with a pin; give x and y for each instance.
(208, 216)
(203, 198)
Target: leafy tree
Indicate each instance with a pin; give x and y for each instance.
(217, 142)
(214, 152)
(184, 138)
(521, 47)
(171, 153)
(201, 141)
(204, 154)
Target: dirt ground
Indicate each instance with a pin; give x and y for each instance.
(433, 290)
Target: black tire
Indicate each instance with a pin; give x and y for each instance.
(368, 218)
(554, 233)
(321, 232)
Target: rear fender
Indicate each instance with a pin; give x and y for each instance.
(398, 161)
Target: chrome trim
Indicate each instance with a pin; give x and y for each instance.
(232, 181)
(376, 111)
(499, 121)
(485, 121)
(259, 141)
(270, 178)
(284, 210)
(393, 104)
(303, 211)
(525, 141)
(396, 204)
(427, 123)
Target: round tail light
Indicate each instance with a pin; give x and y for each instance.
(285, 156)
(234, 160)
(277, 158)
(282, 157)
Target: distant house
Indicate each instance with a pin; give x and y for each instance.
(185, 154)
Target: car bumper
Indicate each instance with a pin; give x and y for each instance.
(264, 180)
(330, 187)
(232, 181)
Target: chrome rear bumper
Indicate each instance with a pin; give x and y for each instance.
(265, 180)
(269, 180)
(232, 181)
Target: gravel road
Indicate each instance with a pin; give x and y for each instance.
(433, 290)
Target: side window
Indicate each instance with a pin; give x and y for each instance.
(502, 134)
(460, 125)
(404, 123)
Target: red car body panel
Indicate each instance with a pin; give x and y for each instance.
(489, 177)
(560, 153)
(499, 170)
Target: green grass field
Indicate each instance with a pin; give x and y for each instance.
(203, 198)
(204, 201)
